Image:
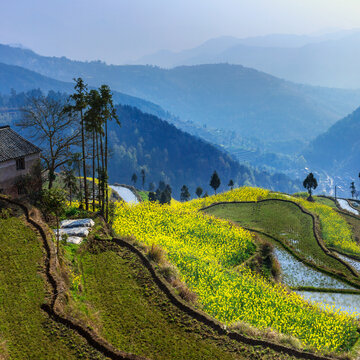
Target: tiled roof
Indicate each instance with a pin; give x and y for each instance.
(13, 146)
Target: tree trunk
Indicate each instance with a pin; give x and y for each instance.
(102, 176)
(84, 161)
(98, 169)
(80, 185)
(106, 174)
(57, 236)
(93, 170)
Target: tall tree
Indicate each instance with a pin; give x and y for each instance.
(165, 197)
(75, 160)
(198, 191)
(80, 104)
(152, 196)
(93, 125)
(231, 184)
(152, 186)
(108, 113)
(143, 177)
(185, 194)
(54, 129)
(310, 183)
(134, 178)
(215, 181)
(353, 189)
(69, 180)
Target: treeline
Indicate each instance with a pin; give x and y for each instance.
(16, 100)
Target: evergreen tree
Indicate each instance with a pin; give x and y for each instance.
(215, 181)
(93, 125)
(70, 182)
(198, 191)
(310, 183)
(184, 195)
(165, 195)
(151, 186)
(152, 196)
(143, 177)
(205, 195)
(134, 178)
(231, 184)
(352, 189)
(76, 163)
(162, 185)
(80, 99)
(108, 113)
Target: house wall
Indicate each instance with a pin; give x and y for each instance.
(9, 173)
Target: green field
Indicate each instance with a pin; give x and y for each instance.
(135, 316)
(285, 222)
(26, 332)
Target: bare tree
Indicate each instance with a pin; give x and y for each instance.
(55, 130)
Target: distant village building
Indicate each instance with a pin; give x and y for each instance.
(17, 158)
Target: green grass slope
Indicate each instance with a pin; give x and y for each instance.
(26, 332)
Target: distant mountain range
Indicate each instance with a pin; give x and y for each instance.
(18, 79)
(145, 141)
(329, 60)
(337, 151)
(249, 102)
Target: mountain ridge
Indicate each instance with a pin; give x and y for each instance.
(234, 97)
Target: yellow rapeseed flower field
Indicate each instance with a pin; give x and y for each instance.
(206, 249)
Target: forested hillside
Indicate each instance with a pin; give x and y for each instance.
(176, 157)
(338, 149)
(167, 154)
(250, 102)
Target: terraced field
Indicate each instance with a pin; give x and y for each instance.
(136, 316)
(204, 250)
(26, 332)
(286, 222)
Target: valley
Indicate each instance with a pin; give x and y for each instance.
(180, 180)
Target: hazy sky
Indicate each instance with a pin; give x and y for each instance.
(121, 30)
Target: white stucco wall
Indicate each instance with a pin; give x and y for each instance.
(8, 171)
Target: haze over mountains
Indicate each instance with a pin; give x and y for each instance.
(337, 151)
(260, 119)
(249, 102)
(328, 60)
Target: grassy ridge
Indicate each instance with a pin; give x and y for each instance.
(25, 331)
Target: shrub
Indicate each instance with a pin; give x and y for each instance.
(5, 214)
(156, 254)
(184, 292)
(169, 272)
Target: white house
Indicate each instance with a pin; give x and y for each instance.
(17, 157)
